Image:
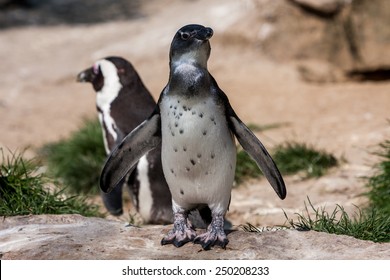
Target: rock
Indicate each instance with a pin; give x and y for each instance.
(326, 7)
(319, 72)
(368, 33)
(347, 35)
(77, 237)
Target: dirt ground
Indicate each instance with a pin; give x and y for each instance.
(41, 102)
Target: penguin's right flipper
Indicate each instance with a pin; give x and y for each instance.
(125, 156)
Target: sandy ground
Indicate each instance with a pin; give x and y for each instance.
(40, 101)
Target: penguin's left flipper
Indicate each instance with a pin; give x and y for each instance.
(125, 156)
(252, 145)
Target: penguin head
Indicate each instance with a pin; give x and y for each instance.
(93, 75)
(108, 69)
(191, 44)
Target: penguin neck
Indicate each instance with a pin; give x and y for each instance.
(104, 97)
(108, 93)
(188, 77)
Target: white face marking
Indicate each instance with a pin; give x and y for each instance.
(107, 94)
(145, 194)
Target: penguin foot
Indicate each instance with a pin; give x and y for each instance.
(212, 238)
(181, 233)
(215, 235)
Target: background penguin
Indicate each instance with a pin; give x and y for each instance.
(195, 124)
(123, 102)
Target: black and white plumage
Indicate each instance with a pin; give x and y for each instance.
(196, 125)
(123, 102)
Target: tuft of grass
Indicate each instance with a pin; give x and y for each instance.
(366, 225)
(379, 184)
(77, 161)
(293, 157)
(22, 192)
(372, 223)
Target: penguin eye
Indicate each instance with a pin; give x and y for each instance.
(185, 35)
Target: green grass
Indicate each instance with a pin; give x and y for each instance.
(379, 184)
(369, 224)
(294, 157)
(23, 192)
(77, 161)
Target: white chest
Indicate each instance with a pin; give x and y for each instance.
(198, 151)
(106, 96)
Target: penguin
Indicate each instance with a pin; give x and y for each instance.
(123, 102)
(195, 125)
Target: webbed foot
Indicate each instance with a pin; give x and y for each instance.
(181, 233)
(215, 235)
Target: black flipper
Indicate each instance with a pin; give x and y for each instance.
(125, 156)
(259, 154)
(113, 201)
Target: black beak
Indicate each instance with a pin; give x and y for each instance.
(204, 34)
(86, 76)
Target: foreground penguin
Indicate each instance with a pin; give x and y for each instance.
(195, 123)
(123, 102)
